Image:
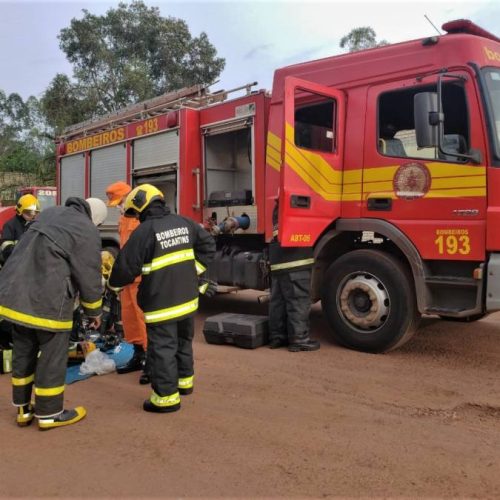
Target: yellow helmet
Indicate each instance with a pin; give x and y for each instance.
(107, 261)
(27, 202)
(140, 198)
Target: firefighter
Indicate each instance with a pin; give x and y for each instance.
(27, 208)
(170, 251)
(290, 294)
(132, 316)
(58, 256)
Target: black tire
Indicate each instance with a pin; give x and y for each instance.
(465, 319)
(369, 301)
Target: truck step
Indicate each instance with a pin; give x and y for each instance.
(444, 311)
(451, 280)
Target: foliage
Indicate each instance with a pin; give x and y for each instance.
(125, 56)
(25, 144)
(360, 39)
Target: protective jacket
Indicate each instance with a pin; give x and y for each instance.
(287, 259)
(12, 231)
(57, 257)
(169, 251)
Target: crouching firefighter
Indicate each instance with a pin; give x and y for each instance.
(290, 294)
(58, 257)
(170, 251)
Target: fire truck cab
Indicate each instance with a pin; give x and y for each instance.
(386, 161)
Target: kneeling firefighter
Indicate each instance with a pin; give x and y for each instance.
(170, 251)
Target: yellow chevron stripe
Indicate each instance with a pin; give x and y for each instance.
(353, 176)
(274, 141)
(458, 182)
(316, 161)
(447, 180)
(456, 193)
(275, 154)
(352, 197)
(379, 174)
(274, 164)
(439, 169)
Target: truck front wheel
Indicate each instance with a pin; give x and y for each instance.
(369, 300)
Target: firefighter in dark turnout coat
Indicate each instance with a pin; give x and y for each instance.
(290, 294)
(27, 209)
(57, 257)
(170, 251)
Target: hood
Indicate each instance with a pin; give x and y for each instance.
(79, 204)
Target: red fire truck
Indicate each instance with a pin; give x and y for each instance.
(386, 161)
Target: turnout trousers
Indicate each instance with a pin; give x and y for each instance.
(39, 359)
(170, 356)
(290, 305)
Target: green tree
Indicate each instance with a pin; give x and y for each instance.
(25, 144)
(125, 56)
(360, 39)
(64, 103)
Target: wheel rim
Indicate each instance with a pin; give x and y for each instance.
(363, 302)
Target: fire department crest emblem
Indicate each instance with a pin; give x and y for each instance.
(412, 180)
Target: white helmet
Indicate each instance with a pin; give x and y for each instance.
(98, 210)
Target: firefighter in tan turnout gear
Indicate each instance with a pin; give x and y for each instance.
(58, 257)
(171, 252)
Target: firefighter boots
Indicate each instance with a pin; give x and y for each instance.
(277, 342)
(304, 345)
(25, 415)
(67, 417)
(149, 406)
(145, 378)
(136, 362)
(162, 404)
(185, 385)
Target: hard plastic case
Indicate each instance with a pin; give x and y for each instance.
(242, 330)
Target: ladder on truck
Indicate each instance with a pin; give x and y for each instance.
(196, 96)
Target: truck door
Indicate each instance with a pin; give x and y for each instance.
(155, 160)
(438, 200)
(312, 154)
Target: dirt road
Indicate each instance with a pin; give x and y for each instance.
(421, 421)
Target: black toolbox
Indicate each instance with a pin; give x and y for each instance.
(243, 330)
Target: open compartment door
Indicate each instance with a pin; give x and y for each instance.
(312, 161)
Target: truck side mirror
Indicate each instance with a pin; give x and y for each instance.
(427, 119)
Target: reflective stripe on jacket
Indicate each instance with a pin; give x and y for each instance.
(168, 250)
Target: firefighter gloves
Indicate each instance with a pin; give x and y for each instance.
(207, 287)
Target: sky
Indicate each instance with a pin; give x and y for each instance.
(255, 37)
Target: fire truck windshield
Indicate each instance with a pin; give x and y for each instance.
(492, 77)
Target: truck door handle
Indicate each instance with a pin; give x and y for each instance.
(298, 201)
(381, 204)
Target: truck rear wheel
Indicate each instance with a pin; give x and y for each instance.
(369, 300)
